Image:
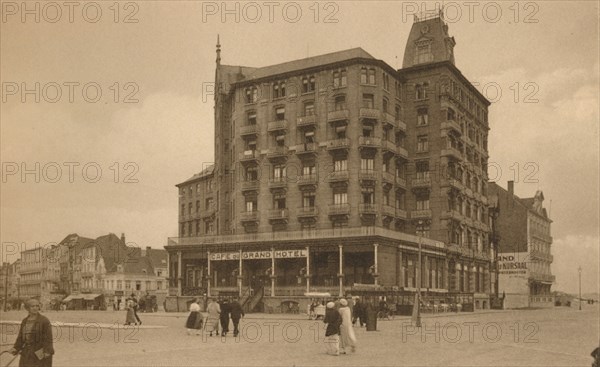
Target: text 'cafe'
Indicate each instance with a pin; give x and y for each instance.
(251, 255)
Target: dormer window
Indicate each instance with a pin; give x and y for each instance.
(423, 52)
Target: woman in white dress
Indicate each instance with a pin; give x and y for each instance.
(347, 336)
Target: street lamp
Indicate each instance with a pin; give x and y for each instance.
(417, 312)
(579, 287)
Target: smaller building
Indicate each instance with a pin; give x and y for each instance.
(524, 245)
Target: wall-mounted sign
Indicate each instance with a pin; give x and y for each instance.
(254, 255)
(513, 262)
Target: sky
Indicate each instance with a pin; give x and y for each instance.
(105, 107)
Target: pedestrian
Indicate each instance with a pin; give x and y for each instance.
(34, 341)
(135, 308)
(236, 314)
(333, 319)
(350, 300)
(212, 320)
(194, 320)
(347, 337)
(224, 316)
(359, 308)
(130, 315)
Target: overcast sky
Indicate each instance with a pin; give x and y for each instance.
(541, 57)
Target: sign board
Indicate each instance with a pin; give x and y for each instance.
(513, 263)
(254, 255)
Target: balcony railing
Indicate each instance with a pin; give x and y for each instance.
(541, 236)
(278, 214)
(338, 176)
(388, 177)
(338, 209)
(277, 152)
(338, 115)
(321, 234)
(308, 211)
(367, 174)
(278, 182)
(541, 277)
(250, 185)
(535, 254)
(421, 182)
(400, 181)
(451, 152)
(307, 179)
(417, 214)
(249, 155)
(388, 210)
(369, 113)
(451, 125)
(369, 142)
(402, 152)
(338, 144)
(389, 146)
(277, 125)
(306, 120)
(367, 209)
(250, 216)
(306, 148)
(249, 130)
(389, 119)
(401, 124)
(401, 213)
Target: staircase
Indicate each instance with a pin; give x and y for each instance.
(251, 302)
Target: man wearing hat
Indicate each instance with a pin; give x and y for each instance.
(333, 319)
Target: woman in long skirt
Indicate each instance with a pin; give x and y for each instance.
(212, 321)
(347, 337)
(194, 320)
(130, 318)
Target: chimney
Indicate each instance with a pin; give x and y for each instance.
(148, 248)
(511, 188)
(123, 238)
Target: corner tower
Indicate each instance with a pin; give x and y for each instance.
(428, 41)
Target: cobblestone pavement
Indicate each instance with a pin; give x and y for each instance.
(553, 337)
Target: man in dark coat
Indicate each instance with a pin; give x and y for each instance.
(35, 338)
(359, 313)
(333, 319)
(135, 308)
(224, 316)
(236, 314)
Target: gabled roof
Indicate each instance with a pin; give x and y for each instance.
(158, 258)
(138, 265)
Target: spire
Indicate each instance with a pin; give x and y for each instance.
(218, 50)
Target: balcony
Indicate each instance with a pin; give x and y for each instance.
(338, 144)
(339, 209)
(338, 115)
(306, 148)
(278, 214)
(402, 152)
(400, 181)
(278, 182)
(367, 175)
(249, 130)
(389, 119)
(453, 214)
(539, 255)
(308, 212)
(541, 236)
(369, 113)
(420, 214)
(337, 176)
(249, 155)
(309, 120)
(401, 213)
(307, 179)
(452, 182)
(421, 182)
(277, 125)
(277, 152)
(542, 277)
(250, 185)
(388, 210)
(451, 152)
(451, 125)
(388, 177)
(389, 146)
(369, 209)
(250, 216)
(401, 125)
(369, 142)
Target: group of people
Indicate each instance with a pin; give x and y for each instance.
(218, 313)
(131, 305)
(339, 334)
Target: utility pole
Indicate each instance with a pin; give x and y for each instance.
(579, 288)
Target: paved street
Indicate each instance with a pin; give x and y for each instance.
(554, 337)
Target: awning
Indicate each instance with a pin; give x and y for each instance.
(90, 296)
(72, 297)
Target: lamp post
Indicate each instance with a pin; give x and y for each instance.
(579, 287)
(417, 313)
